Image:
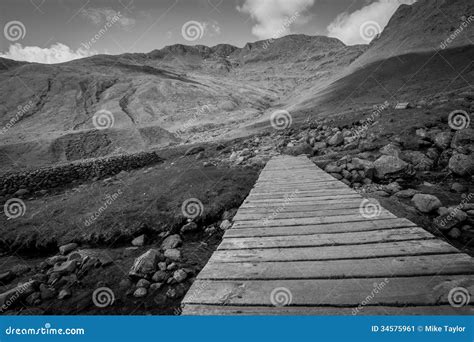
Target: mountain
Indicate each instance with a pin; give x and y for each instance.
(182, 94)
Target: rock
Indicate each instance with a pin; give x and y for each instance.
(18, 293)
(160, 277)
(336, 175)
(442, 140)
(319, 146)
(194, 150)
(6, 277)
(392, 188)
(180, 275)
(162, 266)
(426, 203)
(21, 193)
(140, 292)
(143, 283)
(173, 254)
(47, 292)
(458, 214)
(381, 193)
(455, 233)
(445, 222)
(389, 166)
(418, 160)
(331, 168)
(33, 299)
(145, 264)
(172, 267)
(156, 286)
(65, 267)
(171, 293)
(463, 141)
(226, 224)
(336, 140)
(171, 242)
(459, 188)
(408, 193)
(461, 164)
(345, 181)
(189, 227)
(470, 212)
(391, 150)
(139, 241)
(299, 150)
(125, 283)
(64, 293)
(66, 249)
(55, 259)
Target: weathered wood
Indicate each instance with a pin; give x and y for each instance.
(303, 231)
(442, 264)
(326, 239)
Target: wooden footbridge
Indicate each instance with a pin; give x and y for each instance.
(304, 243)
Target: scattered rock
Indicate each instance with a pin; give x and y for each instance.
(139, 241)
(47, 292)
(66, 249)
(143, 283)
(145, 264)
(459, 188)
(171, 293)
(426, 203)
(21, 193)
(332, 168)
(171, 242)
(65, 267)
(455, 233)
(226, 224)
(299, 150)
(180, 275)
(461, 164)
(160, 277)
(65, 293)
(408, 193)
(194, 150)
(173, 254)
(20, 269)
(140, 292)
(18, 293)
(189, 227)
(389, 166)
(442, 140)
(336, 140)
(156, 286)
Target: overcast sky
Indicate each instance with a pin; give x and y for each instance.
(51, 31)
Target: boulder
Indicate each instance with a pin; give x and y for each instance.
(463, 141)
(408, 193)
(143, 283)
(145, 264)
(390, 166)
(442, 140)
(459, 188)
(336, 140)
(319, 146)
(173, 254)
(445, 222)
(180, 275)
(461, 164)
(189, 227)
(226, 224)
(19, 292)
(299, 149)
(66, 249)
(419, 160)
(331, 168)
(391, 150)
(160, 277)
(139, 241)
(65, 267)
(171, 242)
(426, 203)
(140, 292)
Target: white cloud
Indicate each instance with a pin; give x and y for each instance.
(347, 27)
(57, 53)
(271, 15)
(99, 16)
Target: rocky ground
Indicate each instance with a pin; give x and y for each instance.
(133, 261)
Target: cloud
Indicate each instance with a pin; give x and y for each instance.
(57, 53)
(361, 26)
(271, 15)
(211, 28)
(99, 16)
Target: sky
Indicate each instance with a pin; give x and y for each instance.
(54, 31)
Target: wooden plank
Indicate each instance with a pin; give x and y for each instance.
(417, 291)
(444, 264)
(320, 228)
(299, 195)
(402, 234)
(372, 310)
(300, 208)
(280, 213)
(315, 204)
(309, 220)
(375, 250)
(306, 199)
